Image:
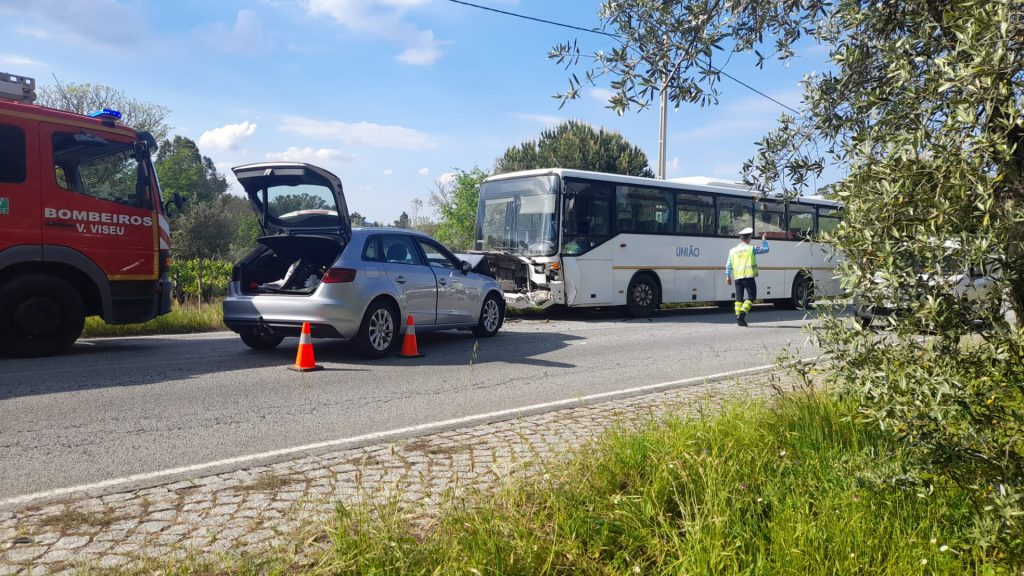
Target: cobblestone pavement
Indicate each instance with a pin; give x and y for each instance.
(261, 507)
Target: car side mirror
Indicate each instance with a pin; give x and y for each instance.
(466, 267)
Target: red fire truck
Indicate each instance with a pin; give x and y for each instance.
(82, 227)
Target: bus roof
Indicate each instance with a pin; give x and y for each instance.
(689, 183)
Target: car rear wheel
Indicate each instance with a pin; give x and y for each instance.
(260, 341)
(40, 315)
(379, 330)
(492, 315)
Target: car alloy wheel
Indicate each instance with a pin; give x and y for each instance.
(492, 314)
(381, 329)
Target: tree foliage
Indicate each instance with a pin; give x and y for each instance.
(86, 98)
(286, 203)
(576, 145)
(403, 221)
(456, 203)
(204, 230)
(183, 170)
(923, 113)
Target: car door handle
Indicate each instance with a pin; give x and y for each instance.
(400, 279)
(442, 282)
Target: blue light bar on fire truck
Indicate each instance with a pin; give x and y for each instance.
(106, 114)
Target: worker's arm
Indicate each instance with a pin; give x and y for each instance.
(728, 269)
(763, 249)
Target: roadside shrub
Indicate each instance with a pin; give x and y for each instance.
(200, 279)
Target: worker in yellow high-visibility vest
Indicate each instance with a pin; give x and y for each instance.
(741, 270)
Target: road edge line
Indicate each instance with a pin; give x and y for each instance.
(177, 474)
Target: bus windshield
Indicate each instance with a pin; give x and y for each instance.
(519, 216)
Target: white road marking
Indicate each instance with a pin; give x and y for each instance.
(319, 447)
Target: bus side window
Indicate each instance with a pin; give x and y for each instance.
(800, 222)
(695, 214)
(828, 219)
(734, 214)
(587, 219)
(768, 219)
(644, 210)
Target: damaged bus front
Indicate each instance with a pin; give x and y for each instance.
(517, 228)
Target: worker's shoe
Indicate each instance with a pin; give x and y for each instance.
(741, 320)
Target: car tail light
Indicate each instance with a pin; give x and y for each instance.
(339, 275)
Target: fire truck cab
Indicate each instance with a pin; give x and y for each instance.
(82, 225)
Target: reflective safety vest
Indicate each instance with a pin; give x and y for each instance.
(743, 262)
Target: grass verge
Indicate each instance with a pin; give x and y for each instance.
(182, 319)
(798, 488)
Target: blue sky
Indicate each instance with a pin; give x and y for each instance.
(388, 94)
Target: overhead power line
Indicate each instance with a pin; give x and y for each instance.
(541, 20)
(617, 37)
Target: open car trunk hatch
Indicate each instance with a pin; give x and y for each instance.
(288, 264)
(295, 198)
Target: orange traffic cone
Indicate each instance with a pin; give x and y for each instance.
(304, 361)
(409, 347)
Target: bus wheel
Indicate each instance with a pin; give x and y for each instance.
(39, 315)
(642, 296)
(803, 293)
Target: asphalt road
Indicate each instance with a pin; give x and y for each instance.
(122, 406)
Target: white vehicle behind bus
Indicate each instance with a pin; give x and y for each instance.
(587, 239)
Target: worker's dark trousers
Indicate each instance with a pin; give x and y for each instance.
(748, 287)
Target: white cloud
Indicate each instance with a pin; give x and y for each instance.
(227, 137)
(423, 171)
(295, 154)
(360, 133)
(389, 171)
(246, 36)
(541, 119)
(37, 33)
(383, 19)
(16, 60)
(424, 53)
(446, 179)
(602, 95)
(105, 22)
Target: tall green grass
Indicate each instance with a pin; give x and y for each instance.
(797, 488)
(182, 319)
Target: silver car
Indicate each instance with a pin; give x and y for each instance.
(358, 285)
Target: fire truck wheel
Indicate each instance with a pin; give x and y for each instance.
(40, 315)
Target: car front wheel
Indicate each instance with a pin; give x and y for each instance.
(492, 315)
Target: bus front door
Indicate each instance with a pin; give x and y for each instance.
(588, 281)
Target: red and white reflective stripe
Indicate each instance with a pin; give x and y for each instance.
(165, 233)
(305, 338)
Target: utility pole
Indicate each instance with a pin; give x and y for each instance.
(663, 128)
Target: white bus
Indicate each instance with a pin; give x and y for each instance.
(587, 239)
